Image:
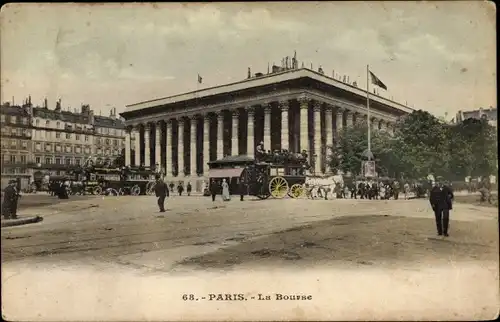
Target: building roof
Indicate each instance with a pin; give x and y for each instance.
(81, 118)
(105, 121)
(265, 80)
(13, 110)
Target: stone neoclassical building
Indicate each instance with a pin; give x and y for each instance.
(295, 109)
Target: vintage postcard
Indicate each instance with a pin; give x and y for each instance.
(249, 161)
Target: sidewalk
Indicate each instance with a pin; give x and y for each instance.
(20, 220)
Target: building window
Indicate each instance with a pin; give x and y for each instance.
(99, 151)
(23, 159)
(77, 137)
(12, 159)
(24, 145)
(107, 141)
(58, 160)
(38, 160)
(22, 170)
(13, 144)
(68, 149)
(12, 119)
(68, 136)
(37, 122)
(38, 146)
(86, 138)
(115, 142)
(68, 161)
(58, 125)
(77, 161)
(58, 148)
(87, 150)
(3, 118)
(47, 123)
(6, 158)
(48, 160)
(58, 135)
(25, 121)
(98, 141)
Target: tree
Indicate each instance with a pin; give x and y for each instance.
(352, 147)
(421, 145)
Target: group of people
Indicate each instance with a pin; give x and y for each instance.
(369, 190)
(10, 200)
(280, 156)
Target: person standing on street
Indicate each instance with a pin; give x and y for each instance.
(242, 187)
(9, 205)
(441, 198)
(213, 189)
(161, 191)
(189, 188)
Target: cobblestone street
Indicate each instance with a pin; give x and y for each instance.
(353, 246)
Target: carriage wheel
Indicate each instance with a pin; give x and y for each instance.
(296, 191)
(150, 188)
(278, 187)
(121, 192)
(97, 190)
(135, 190)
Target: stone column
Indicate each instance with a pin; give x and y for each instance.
(180, 149)
(128, 156)
(250, 133)
(169, 146)
(147, 145)
(220, 135)
(193, 155)
(317, 137)
(206, 143)
(267, 127)
(304, 139)
(234, 133)
(158, 144)
(339, 121)
(349, 118)
(284, 106)
(137, 136)
(328, 134)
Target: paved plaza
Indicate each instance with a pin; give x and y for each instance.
(358, 259)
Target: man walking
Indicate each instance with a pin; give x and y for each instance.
(161, 192)
(441, 198)
(9, 205)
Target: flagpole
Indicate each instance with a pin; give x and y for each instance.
(368, 111)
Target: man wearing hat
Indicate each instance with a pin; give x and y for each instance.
(161, 191)
(10, 199)
(441, 197)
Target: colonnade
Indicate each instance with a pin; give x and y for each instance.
(183, 146)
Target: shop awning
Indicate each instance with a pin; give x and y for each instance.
(225, 173)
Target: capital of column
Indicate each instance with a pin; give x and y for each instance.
(220, 115)
(267, 108)
(328, 108)
(317, 106)
(339, 110)
(304, 102)
(284, 105)
(129, 129)
(235, 114)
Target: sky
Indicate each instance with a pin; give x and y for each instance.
(436, 56)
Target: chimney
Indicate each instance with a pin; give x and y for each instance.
(58, 106)
(249, 74)
(333, 73)
(348, 80)
(45, 104)
(355, 84)
(343, 79)
(91, 116)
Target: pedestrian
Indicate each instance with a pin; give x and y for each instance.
(440, 198)
(188, 188)
(9, 205)
(213, 189)
(180, 189)
(242, 188)
(161, 192)
(406, 189)
(225, 191)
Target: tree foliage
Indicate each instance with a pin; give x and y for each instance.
(421, 145)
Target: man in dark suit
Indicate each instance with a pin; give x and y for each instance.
(441, 197)
(161, 191)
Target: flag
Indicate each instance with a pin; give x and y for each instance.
(200, 80)
(377, 81)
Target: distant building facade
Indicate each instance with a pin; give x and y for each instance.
(490, 114)
(38, 141)
(16, 144)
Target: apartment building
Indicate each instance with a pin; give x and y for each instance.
(16, 144)
(63, 140)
